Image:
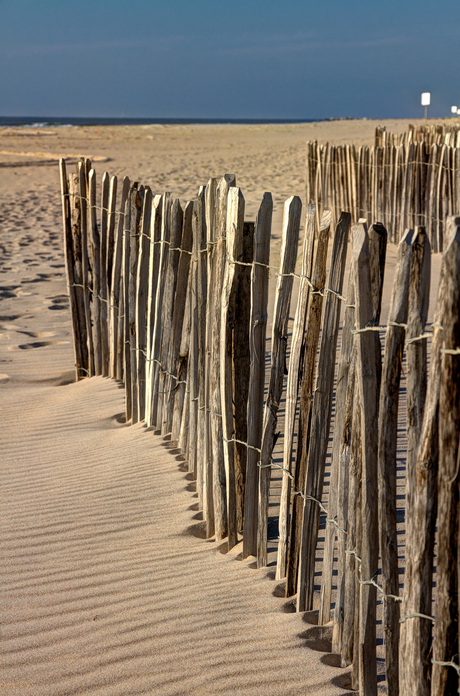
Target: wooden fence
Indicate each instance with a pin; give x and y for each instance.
(400, 185)
(173, 300)
(433, 134)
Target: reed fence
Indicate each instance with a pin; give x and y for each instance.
(412, 183)
(172, 299)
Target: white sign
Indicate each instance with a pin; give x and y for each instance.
(426, 98)
(453, 109)
(458, 111)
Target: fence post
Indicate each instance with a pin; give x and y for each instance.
(388, 435)
(159, 307)
(176, 362)
(116, 364)
(172, 269)
(341, 457)
(445, 678)
(78, 336)
(105, 191)
(290, 237)
(258, 328)
(154, 269)
(367, 389)
(137, 199)
(142, 287)
(96, 260)
(320, 422)
(416, 379)
(309, 350)
(292, 387)
(234, 250)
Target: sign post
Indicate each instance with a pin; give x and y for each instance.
(426, 101)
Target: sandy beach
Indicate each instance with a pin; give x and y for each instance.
(107, 586)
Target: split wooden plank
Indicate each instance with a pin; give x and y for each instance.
(290, 238)
(137, 200)
(204, 473)
(84, 197)
(181, 417)
(125, 295)
(103, 290)
(321, 418)
(159, 315)
(341, 460)
(218, 466)
(258, 328)
(78, 337)
(177, 363)
(142, 278)
(116, 365)
(154, 266)
(111, 236)
(368, 396)
(387, 442)
(234, 251)
(172, 269)
(241, 360)
(445, 678)
(199, 231)
(338, 489)
(308, 362)
(96, 286)
(416, 384)
(292, 387)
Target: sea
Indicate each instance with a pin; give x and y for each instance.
(65, 121)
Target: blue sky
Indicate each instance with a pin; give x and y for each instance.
(239, 59)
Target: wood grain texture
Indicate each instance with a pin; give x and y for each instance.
(176, 363)
(416, 383)
(234, 251)
(292, 387)
(368, 396)
(103, 288)
(445, 680)
(387, 446)
(96, 284)
(154, 266)
(321, 419)
(258, 328)
(340, 461)
(142, 285)
(308, 362)
(137, 201)
(116, 365)
(290, 237)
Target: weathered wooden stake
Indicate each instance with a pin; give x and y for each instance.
(290, 238)
(258, 328)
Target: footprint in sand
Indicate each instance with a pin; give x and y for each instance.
(58, 302)
(4, 377)
(40, 344)
(39, 334)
